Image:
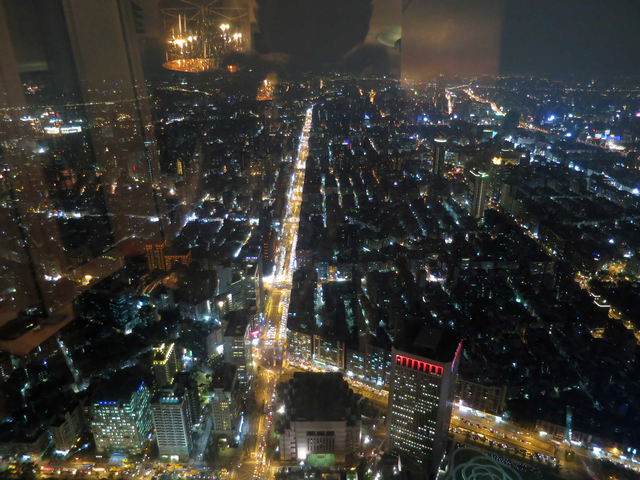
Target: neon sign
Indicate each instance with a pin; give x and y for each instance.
(419, 365)
(455, 359)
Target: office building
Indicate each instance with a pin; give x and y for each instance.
(194, 307)
(166, 364)
(487, 399)
(189, 385)
(329, 352)
(321, 419)
(356, 364)
(215, 345)
(439, 151)
(224, 400)
(66, 428)
(160, 257)
(171, 418)
(112, 301)
(299, 346)
(421, 399)
(166, 298)
(237, 344)
(121, 414)
(477, 193)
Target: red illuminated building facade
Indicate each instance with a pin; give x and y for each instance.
(420, 405)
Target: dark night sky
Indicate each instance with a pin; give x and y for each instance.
(571, 36)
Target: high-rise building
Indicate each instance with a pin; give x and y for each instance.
(120, 414)
(166, 364)
(159, 257)
(329, 351)
(487, 399)
(478, 193)
(421, 399)
(66, 428)
(190, 387)
(170, 411)
(224, 399)
(81, 181)
(439, 151)
(237, 344)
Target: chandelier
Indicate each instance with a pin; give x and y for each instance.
(200, 34)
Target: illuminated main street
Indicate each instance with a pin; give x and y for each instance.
(494, 107)
(275, 332)
(268, 356)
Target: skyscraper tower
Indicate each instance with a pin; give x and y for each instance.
(120, 414)
(170, 412)
(439, 150)
(237, 345)
(478, 193)
(421, 400)
(166, 364)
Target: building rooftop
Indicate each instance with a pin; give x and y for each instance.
(319, 397)
(120, 386)
(223, 377)
(238, 321)
(162, 352)
(434, 343)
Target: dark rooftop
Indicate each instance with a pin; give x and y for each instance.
(319, 397)
(120, 386)
(223, 376)
(238, 321)
(434, 343)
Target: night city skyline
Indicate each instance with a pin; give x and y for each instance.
(354, 239)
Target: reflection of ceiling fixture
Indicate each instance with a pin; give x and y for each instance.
(201, 32)
(391, 37)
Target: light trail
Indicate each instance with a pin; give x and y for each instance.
(473, 96)
(449, 102)
(276, 328)
(275, 331)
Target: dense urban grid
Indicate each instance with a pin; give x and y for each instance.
(229, 273)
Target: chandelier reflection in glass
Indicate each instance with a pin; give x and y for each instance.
(200, 34)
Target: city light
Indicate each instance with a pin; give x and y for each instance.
(185, 253)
